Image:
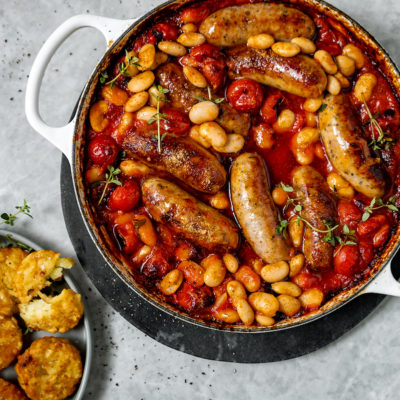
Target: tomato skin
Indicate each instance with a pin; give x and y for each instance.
(306, 280)
(124, 197)
(103, 150)
(164, 31)
(366, 253)
(268, 110)
(349, 214)
(176, 122)
(157, 265)
(381, 236)
(245, 95)
(346, 260)
(127, 236)
(191, 299)
(373, 224)
(194, 14)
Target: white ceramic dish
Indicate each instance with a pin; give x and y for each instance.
(80, 336)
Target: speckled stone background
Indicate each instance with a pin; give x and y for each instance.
(363, 364)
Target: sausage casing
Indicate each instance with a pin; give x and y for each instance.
(347, 148)
(181, 157)
(254, 208)
(232, 26)
(318, 208)
(300, 75)
(187, 216)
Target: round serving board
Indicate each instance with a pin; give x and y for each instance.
(213, 344)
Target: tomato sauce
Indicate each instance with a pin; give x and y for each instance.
(152, 249)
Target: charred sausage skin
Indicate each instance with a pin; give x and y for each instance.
(187, 216)
(181, 157)
(299, 75)
(347, 148)
(182, 95)
(318, 208)
(232, 26)
(255, 209)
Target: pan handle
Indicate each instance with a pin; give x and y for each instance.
(384, 283)
(62, 137)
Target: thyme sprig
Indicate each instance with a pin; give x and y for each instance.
(216, 101)
(111, 177)
(14, 243)
(9, 219)
(383, 141)
(349, 238)
(122, 67)
(158, 116)
(376, 204)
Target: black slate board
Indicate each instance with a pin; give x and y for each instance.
(257, 347)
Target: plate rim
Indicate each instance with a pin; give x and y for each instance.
(86, 318)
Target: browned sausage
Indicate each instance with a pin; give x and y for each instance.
(347, 148)
(232, 26)
(189, 217)
(318, 206)
(300, 75)
(181, 157)
(255, 209)
(182, 95)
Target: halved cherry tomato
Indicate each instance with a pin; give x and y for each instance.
(126, 236)
(191, 299)
(269, 110)
(346, 260)
(103, 150)
(125, 197)
(157, 265)
(367, 228)
(175, 121)
(194, 14)
(349, 214)
(366, 253)
(245, 95)
(163, 31)
(381, 236)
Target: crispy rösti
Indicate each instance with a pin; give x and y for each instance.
(36, 272)
(10, 259)
(53, 313)
(10, 341)
(8, 391)
(7, 304)
(49, 369)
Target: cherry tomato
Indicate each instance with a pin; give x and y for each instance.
(203, 51)
(124, 197)
(163, 31)
(191, 299)
(366, 253)
(306, 280)
(157, 265)
(370, 226)
(269, 108)
(194, 14)
(103, 150)
(175, 121)
(346, 260)
(349, 214)
(127, 237)
(381, 236)
(245, 95)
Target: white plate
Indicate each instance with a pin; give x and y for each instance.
(80, 336)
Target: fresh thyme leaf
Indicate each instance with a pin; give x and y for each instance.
(219, 100)
(380, 204)
(28, 330)
(286, 188)
(298, 207)
(103, 77)
(198, 98)
(322, 108)
(281, 228)
(15, 243)
(383, 141)
(122, 68)
(137, 223)
(9, 219)
(216, 101)
(110, 178)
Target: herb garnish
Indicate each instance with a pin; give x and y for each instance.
(10, 218)
(216, 101)
(159, 116)
(348, 240)
(137, 223)
(110, 178)
(322, 108)
(122, 67)
(378, 203)
(384, 141)
(28, 330)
